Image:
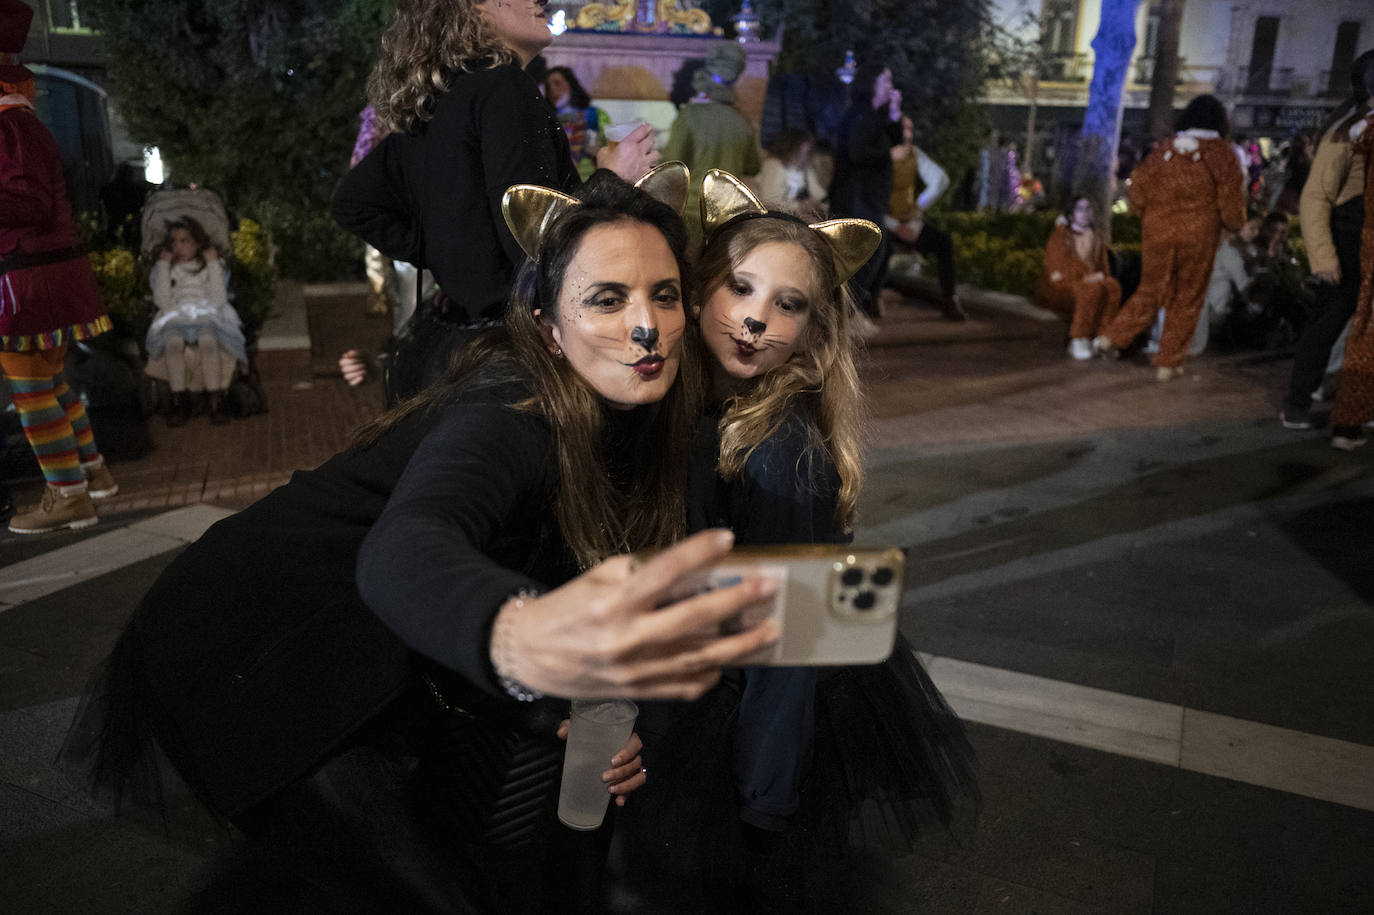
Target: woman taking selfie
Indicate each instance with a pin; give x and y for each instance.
(365, 730)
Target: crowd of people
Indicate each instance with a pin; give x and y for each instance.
(627, 361)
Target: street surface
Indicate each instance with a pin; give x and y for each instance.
(1153, 606)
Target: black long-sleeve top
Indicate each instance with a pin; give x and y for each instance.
(786, 493)
(254, 651)
(432, 196)
(863, 163)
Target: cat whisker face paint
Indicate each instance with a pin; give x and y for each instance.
(756, 319)
(620, 317)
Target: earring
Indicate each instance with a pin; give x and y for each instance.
(557, 352)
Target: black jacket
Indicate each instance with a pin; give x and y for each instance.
(432, 196)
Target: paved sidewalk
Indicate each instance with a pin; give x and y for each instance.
(312, 413)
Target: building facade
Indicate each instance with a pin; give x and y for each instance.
(1279, 65)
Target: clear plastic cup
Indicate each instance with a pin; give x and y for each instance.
(597, 730)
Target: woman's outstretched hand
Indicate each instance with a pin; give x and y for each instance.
(603, 635)
(632, 156)
(627, 770)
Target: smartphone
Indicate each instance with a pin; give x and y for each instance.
(835, 604)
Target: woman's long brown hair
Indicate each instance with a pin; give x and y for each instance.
(597, 517)
(821, 378)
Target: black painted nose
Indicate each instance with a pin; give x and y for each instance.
(646, 337)
(754, 327)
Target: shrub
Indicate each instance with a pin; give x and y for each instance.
(123, 283)
(254, 276)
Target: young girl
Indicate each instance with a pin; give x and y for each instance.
(777, 460)
(193, 309)
(1077, 282)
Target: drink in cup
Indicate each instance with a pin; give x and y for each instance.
(597, 730)
(617, 132)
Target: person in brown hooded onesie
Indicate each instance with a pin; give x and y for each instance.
(1185, 191)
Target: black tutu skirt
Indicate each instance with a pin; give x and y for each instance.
(890, 759)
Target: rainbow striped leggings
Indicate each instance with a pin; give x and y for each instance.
(53, 417)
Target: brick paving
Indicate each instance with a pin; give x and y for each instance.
(1007, 379)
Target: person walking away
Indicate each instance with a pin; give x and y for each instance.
(1185, 192)
(48, 298)
(1354, 406)
(1077, 280)
(1332, 214)
(905, 217)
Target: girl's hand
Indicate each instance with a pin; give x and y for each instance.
(627, 770)
(353, 367)
(603, 634)
(166, 255)
(211, 255)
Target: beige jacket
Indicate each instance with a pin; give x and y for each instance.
(1337, 175)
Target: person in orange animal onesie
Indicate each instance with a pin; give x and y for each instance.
(1076, 281)
(1185, 191)
(1355, 394)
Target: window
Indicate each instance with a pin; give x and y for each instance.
(1262, 55)
(1059, 20)
(65, 16)
(1347, 37)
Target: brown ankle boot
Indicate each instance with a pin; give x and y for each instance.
(99, 483)
(215, 401)
(56, 512)
(180, 410)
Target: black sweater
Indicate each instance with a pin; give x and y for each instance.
(254, 653)
(432, 196)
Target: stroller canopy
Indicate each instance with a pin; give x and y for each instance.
(200, 204)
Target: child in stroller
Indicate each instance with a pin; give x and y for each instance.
(190, 293)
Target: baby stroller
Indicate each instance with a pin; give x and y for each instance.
(244, 389)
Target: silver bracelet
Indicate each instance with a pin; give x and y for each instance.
(500, 652)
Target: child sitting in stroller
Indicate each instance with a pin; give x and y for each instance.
(193, 309)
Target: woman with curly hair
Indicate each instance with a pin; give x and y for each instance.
(466, 122)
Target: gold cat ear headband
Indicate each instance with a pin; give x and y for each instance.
(724, 198)
(530, 209)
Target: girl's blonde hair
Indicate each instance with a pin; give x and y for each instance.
(821, 378)
(427, 41)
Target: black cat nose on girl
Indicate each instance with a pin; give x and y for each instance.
(646, 337)
(754, 327)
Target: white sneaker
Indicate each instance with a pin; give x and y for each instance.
(1081, 348)
(1167, 373)
(1104, 348)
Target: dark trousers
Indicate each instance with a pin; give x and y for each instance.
(1333, 308)
(936, 241)
(868, 281)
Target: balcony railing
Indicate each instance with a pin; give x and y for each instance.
(1332, 84)
(1269, 81)
(1065, 68)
